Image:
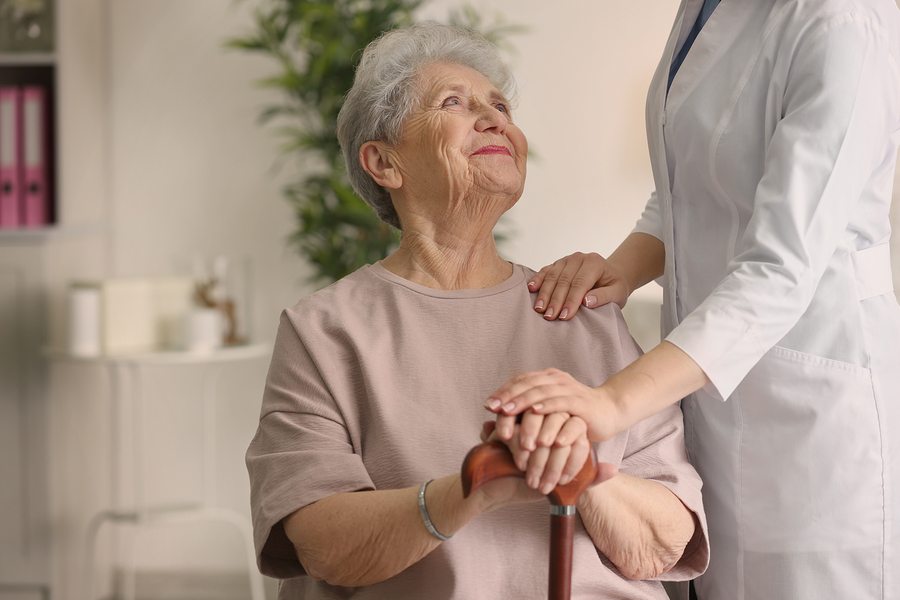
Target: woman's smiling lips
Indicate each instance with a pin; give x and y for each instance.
(491, 149)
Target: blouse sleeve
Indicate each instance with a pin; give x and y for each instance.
(301, 452)
(840, 104)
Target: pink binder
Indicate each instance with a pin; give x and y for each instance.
(35, 194)
(10, 153)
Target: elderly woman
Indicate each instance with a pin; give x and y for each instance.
(377, 383)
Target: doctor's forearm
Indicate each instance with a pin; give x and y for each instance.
(640, 257)
(661, 377)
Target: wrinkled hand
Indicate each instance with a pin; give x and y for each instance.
(546, 394)
(577, 279)
(548, 463)
(504, 490)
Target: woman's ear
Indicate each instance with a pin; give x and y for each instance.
(380, 164)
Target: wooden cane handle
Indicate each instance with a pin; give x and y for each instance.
(492, 460)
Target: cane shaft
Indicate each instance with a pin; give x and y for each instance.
(562, 530)
(492, 460)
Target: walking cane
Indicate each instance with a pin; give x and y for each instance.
(493, 460)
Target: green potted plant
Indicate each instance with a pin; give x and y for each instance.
(315, 45)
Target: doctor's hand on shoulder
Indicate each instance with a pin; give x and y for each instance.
(592, 280)
(578, 280)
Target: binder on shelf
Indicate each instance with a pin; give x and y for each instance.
(10, 153)
(34, 188)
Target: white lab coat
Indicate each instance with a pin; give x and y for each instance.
(773, 156)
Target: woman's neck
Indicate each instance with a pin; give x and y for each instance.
(447, 261)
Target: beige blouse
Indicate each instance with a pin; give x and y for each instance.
(378, 383)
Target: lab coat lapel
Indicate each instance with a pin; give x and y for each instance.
(684, 19)
(656, 115)
(690, 11)
(714, 40)
(656, 96)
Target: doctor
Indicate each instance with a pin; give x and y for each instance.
(773, 128)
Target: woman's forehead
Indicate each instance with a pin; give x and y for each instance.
(444, 76)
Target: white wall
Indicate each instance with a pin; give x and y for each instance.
(191, 172)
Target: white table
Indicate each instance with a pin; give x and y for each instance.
(129, 440)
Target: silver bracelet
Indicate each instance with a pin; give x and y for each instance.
(426, 519)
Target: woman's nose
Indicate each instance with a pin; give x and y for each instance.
(489, 118)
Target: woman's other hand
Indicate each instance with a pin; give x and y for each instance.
(557, 452)
(577, 279)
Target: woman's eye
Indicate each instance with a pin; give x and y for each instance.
(451, 101)
(502, 108)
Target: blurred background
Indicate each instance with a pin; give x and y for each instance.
(161, 217)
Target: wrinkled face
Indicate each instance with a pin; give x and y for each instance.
(460, 147)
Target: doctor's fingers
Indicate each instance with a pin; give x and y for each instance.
(534, 392)
(575, 290)
(501, 400)
(555, 282)
(614, 291)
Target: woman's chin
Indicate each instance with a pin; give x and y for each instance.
(498, 184)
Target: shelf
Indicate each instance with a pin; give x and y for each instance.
(42, 235)
(27, 59)
(26, 237)
(171, 357)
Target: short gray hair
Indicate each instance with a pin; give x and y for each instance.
(382, 95)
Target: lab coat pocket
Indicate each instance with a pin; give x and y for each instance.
(811, 455)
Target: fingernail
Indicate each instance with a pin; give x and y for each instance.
(546, 488)
(590, 300)
(509, 406)
(565, 479)
(549, 313)
(564, 313)
(539, 305)
(528, 444)
(533, 483)
(493, 404)
(531, 285)
(537, 406)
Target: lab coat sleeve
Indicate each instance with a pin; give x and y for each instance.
(651, 219)
(840, 104)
